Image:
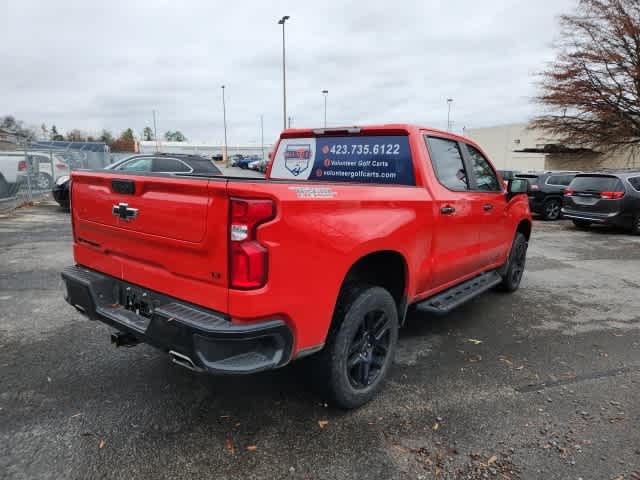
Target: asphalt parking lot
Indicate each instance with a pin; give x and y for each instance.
(541, 384)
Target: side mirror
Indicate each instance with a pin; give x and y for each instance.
(517, 186)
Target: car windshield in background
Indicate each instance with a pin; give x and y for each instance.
(532, 179)
(596, 183)
(361, 159)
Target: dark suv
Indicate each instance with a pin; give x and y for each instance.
(545, 192)
(606, 198)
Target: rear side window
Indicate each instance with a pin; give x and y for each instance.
(137, 165)
(162, 164)
(635, 183)
(447, 163)
(486, 179)
(358, 159)
(596, 183)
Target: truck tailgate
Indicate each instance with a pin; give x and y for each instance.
(166, 233)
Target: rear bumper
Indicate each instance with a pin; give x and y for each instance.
(614, 218)
(197, 338)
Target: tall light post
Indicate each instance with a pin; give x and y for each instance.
(284, 75)
(449, 102)
(262, 134)
(325, 93)
(224, 120)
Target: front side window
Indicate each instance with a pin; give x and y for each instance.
(447, 163)
(486, 179)
(136, 165)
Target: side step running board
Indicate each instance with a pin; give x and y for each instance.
(446, 301)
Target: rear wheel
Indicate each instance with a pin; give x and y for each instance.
(635, 227)
(43, 181)
(512, 274)
(4, 188)
(360, 346)
(552, 209)
(581, 223)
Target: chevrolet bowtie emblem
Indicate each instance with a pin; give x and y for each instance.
(123, 211)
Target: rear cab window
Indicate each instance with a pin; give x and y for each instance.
(379, 159)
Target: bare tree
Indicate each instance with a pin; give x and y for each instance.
(592, 90)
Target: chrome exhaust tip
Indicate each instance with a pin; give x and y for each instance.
(184, 361)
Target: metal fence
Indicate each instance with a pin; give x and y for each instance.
(30, 170)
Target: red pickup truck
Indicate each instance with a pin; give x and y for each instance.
(351, 227)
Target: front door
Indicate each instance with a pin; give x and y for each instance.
(490, 206)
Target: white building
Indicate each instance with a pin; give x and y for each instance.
(505, 145)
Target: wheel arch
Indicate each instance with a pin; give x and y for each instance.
(524, 227)
(383, 268)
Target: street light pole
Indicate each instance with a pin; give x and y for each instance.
(224, 120)
(262, 134)
(284, 74)
(449, 102)
(326, 94)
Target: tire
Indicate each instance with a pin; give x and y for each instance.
(360, 346)
(4, 188)
(43, 181)
(512, 274)
(552, 209)
(581, 223)
(635, 226)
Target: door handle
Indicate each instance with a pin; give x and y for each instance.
(448, 210)
(486, 207)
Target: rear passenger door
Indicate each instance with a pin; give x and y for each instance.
(454, 247)
(489, 207)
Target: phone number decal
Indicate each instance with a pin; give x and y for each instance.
(363, 149)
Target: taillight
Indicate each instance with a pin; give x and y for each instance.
(248, 258)
(568, 192)
(22, 165)
(61, 166)
(611, 195)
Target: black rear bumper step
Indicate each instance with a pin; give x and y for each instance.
(446, 301)
(194, 337)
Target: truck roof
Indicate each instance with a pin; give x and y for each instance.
(373, 128)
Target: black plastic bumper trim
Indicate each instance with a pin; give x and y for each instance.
(206, 337)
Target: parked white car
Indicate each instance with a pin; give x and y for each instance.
(13, 169)
(44, 172)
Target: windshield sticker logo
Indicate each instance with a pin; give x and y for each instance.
(296, 158)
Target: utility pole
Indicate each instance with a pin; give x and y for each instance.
(262, 134)
(449, 102)
(284, 74)
(155, 131)
(224, 119)
(326, 94)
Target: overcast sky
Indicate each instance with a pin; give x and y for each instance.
(94, 64)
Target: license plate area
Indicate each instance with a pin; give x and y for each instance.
(137, 300)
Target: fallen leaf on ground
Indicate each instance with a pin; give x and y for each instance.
(102, 443)
(75, 415)
(474, 341)
(323, 423)
(252, 448)
(492, 460)
(436, 426)
(229, 446)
